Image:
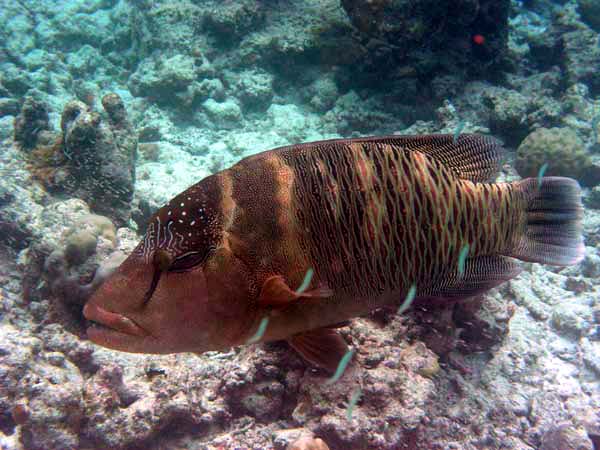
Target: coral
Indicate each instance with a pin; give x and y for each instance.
(427, 34)
(308, 443)
(233, 19)
(288, 438)
(562, 150)
(80, 245)
(581, 57)
(508, 109)
(149, 151)
(8, 107)
(563, 436)
(71, 270)
(226, 114)
(323, 93)
(590, 13)
(167, 26)
(32, 119)
(41, 390)
(254, 88)
(100, 157)
(572, 46)
(161, 79)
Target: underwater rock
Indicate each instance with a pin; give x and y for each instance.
(351, 114)
(161, 79)
(427, 34)
(254, 88)
(284, 439)
(32, 120)
(323, 93)
(85, 260)
(590, 13)
(508, 109)
(15, 80)
(572, 46)
(172, 26)
(562, 151)
(41, 392)
(232, 20)
(565, 436)
(101, 157)
(226, 114)
(572, 320)
(8, 107)
(581, 57)
(308, 443)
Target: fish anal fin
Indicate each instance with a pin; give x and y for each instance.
(276, 293)
(323, 347)
(480, 274)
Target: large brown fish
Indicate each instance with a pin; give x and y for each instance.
(370, 216)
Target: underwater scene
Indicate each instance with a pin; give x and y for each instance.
(300, 224)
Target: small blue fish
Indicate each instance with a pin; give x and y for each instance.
(462, 258)
(306, 282)
(260, 332)
(459, 127)
(541, 173)
(341, 367)
(412, 292)
(352, 403)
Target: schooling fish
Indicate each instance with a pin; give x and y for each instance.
(369, 218)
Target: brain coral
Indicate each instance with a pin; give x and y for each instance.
(562, 150)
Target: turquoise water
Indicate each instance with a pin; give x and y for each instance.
(110, 108)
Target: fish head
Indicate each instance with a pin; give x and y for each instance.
(180, 290)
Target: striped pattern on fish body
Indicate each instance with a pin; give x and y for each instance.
(368, 217)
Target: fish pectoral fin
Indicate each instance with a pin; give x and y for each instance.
(323, 347)
(480, 274)
(276, 293)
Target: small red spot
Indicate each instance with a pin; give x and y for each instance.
(479, 39)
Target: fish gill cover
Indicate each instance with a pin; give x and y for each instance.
(111, 108)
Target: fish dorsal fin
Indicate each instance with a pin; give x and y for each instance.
(480, 274)
(276, 293)
(323, 347)
(471, 156)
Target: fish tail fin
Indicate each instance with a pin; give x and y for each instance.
(553, 222)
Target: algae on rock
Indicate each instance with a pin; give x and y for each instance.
(563, 152)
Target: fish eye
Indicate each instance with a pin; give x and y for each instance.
(187, 262)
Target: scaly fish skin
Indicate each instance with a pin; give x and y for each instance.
(370, 216)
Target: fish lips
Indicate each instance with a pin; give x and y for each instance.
(107, 321)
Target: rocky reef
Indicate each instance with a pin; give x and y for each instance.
(108, 108)
(92, 158)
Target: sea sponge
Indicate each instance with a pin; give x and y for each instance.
(80, 246)
(32, 119)
(86, 257)
(308, 443)
(562, 150)
(101, 157)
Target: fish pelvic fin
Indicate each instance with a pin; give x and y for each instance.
(323, 347)
(553, 222)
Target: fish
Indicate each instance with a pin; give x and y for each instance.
(358, 223)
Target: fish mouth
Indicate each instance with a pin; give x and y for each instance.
(102, 321)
